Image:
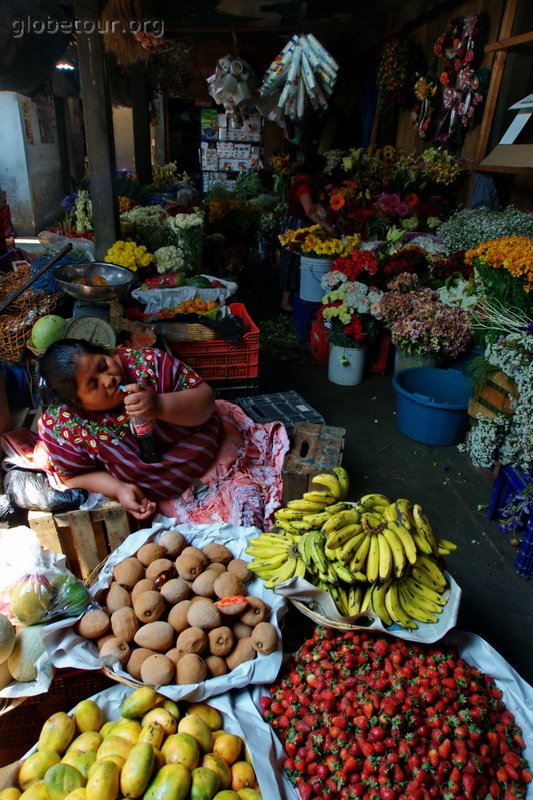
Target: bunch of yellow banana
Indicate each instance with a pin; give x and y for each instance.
(416, 597)
(275, 558)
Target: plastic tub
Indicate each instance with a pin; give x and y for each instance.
(431, 404)
(312, 271)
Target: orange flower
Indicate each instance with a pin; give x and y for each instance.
(337, 201)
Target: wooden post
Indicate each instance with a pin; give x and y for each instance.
(141, 123)
(98, 126)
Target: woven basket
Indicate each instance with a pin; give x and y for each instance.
(18, 320)
(190, 332)
(325, 622)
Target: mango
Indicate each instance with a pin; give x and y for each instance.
(57, 733)
(107, 727)
(37, 791)
(114, 746)
(84, 762)
(172, 707)
(204, 784)
(61, 779)
(229, 746)
(226, 794)
(211, 716)
(88, 716)
(77, 794)
(11, 793)
(137, 770)
(87, 742)
(117, 760)
(249, 794)
(167, 720)
(129, 729)
(195, 726)
(35, 767)
(152, 733)
(70, 756)
(172, 782)
(242, 775)
(181, 748)
(103, 782)
(218, 765)
(139, 702)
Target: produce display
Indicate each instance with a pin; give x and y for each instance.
(156, 750)
(366, 716)
(372, 554)
(178, 614)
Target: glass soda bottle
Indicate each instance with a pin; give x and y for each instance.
(143, 430)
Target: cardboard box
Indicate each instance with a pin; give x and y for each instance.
(317, 448)
(507, 154)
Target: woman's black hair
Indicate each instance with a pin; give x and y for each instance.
(58, 367)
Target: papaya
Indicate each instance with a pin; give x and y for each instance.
(152, 733)
(204, 784)
(87, 742)
(37, 791)
(172, 782)
(88, 716)
(137, 770)
(61, 779)
(10, 793)
(57, 733)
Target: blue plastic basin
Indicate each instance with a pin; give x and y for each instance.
(431, 404)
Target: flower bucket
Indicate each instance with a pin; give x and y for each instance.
(346, 365)
(431, 404)
(311, 272)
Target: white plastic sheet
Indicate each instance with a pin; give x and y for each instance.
(156, 299)
(67, 649)
(322, 603)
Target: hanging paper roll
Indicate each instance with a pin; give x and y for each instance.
(302, 74)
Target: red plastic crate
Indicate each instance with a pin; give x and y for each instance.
(318, 342)
(217, 360)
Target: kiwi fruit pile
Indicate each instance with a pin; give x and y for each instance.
(179, 614)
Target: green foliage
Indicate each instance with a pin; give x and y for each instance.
(248, 185)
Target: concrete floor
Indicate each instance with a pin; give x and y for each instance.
(496, 603)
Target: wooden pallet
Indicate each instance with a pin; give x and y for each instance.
(85, 537)
(317, 448)
(495, 397)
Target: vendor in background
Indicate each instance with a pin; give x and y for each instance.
(86, 428)
(302, 211)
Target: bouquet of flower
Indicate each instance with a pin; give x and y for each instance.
(348, 307)
(129, 254)
(504, 269)
(187, 232)
(315, 242)
(420, 323)
(169, 259)
(146, 225)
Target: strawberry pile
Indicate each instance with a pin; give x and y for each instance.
(366, 716)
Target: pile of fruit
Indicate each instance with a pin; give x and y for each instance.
(370, 555)
(152, 751)
(175, 613)
(365, 716)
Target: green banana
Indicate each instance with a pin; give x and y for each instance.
(346, 551)
(316, 548)
(336, 507)
(368, 501)
(342, 572)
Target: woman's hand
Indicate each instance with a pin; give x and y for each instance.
(140, 402)
(132, 499)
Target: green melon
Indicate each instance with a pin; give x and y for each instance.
(7, 638)
(47, 330)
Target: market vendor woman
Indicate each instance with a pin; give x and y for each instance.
(86, 428)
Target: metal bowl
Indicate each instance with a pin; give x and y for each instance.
(118, 281)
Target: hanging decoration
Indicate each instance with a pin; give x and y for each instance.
(303, 74)
(400, 61)
(463, 83)
(425, 91)
(232, 85)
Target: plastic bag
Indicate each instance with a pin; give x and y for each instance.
(54, 242)
(32, 491)
(46, 594)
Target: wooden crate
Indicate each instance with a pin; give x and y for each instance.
(495, 397)
(85, 537)
(317, 448)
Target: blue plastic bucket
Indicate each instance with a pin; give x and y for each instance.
(431, 404)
